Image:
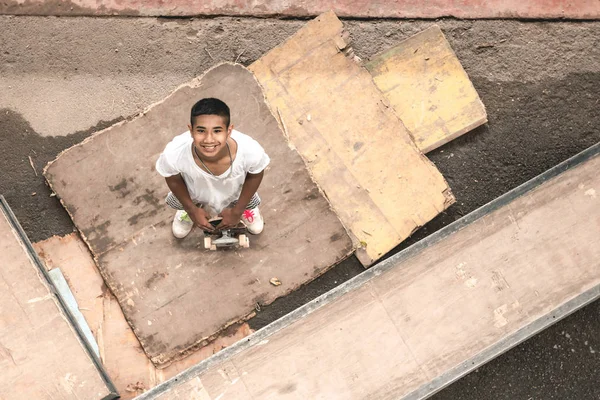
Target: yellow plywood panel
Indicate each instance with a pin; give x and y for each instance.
(428, 88)
(358, 151)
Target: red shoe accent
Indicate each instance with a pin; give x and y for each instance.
(249, 215)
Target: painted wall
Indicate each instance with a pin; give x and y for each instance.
(569, 9)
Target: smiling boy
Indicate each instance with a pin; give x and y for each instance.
(213, 170)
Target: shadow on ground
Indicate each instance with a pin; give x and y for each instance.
(23, 155)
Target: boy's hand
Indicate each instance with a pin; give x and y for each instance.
(231, 217)
(200, 217)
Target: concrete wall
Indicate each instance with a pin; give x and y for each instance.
(570, 9)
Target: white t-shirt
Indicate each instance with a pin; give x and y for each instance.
(216, 192)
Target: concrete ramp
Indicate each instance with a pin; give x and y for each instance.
(425, 317)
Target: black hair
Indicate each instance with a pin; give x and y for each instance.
(211, 106)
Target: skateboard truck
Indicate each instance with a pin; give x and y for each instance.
(235, 236)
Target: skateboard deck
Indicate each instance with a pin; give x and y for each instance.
(231, 237)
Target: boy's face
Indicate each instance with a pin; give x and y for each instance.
(210, 135)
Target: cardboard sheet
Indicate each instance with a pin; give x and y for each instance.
(358, 151)
(176, 295)
(41, 356)
(431, 314)
(428, 88)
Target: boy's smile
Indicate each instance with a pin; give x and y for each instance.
(210, 135)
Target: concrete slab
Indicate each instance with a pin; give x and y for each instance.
(175, 295)
(428, 88)
(358, 151)
(42, 356)
(426, 316)
(125, 362)
(579, 9)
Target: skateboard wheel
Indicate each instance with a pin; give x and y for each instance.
(207, 243)
(244, 241)
(213, 247)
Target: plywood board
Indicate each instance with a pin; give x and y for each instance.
(428, 88)
(426, 316)
(129, 368)
(41, 354)
(174, 294)
(357, 150)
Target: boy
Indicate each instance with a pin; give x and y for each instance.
(213, 169)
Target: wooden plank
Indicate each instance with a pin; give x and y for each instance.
(130, 369)
(428, 88)
(174, 294)
(318, 359)
(41, 355)
(357, 150)
(436, 310)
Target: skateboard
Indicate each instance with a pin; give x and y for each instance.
(231, 237)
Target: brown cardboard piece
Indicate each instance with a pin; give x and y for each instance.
(174, 294)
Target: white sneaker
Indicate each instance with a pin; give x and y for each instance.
(253, 220)
(182, 224)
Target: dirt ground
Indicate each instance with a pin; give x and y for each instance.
(63, 78)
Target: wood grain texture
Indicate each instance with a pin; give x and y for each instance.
(174, 294)
(428, 88)
(41, 356)
(357, 150)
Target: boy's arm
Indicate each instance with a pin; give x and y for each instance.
(180, 190)
(231, 216)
